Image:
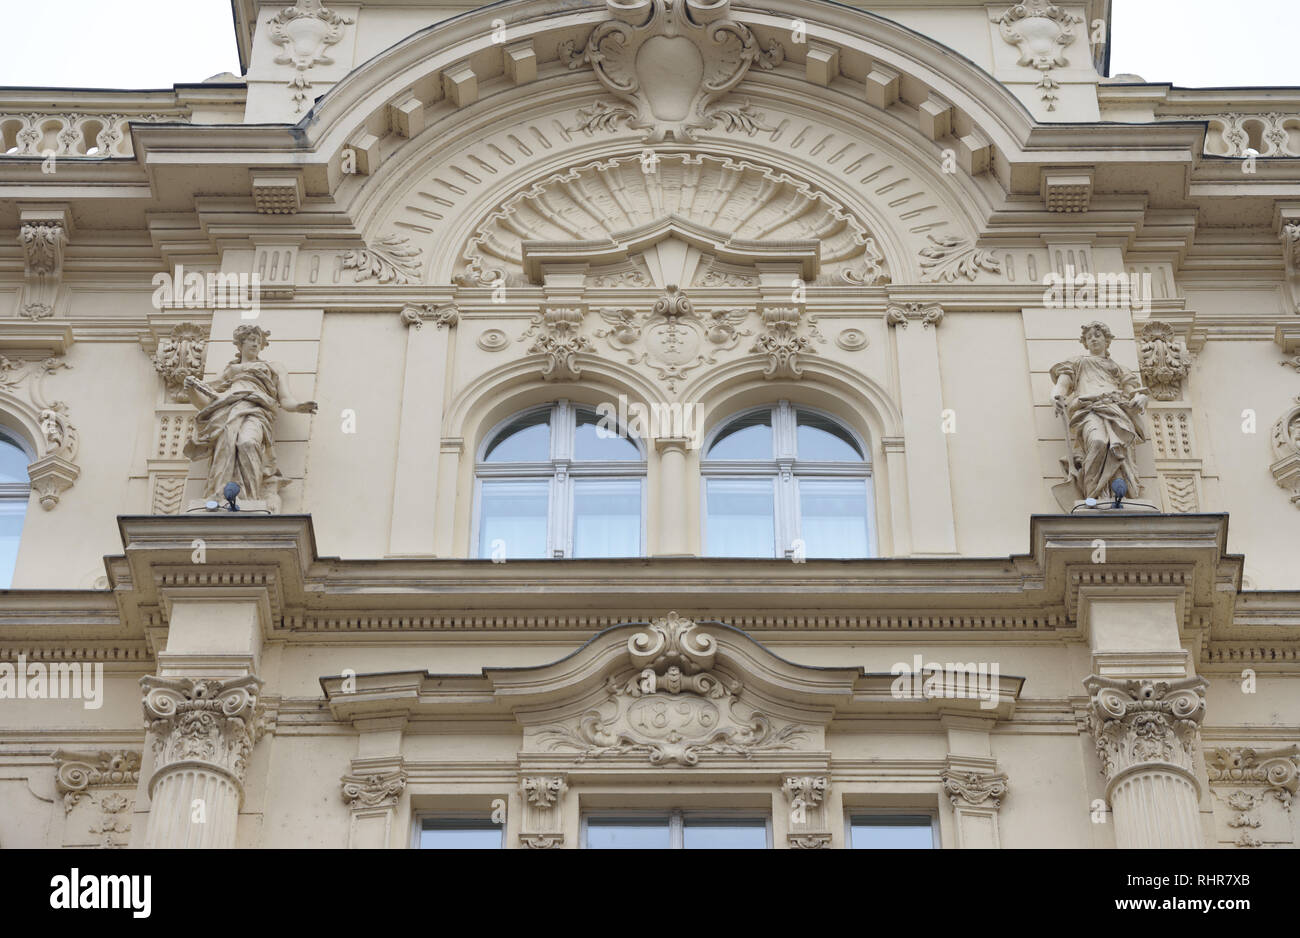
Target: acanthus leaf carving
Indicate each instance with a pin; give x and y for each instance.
(951, 257)
(211, 722)
(54, 470)
(782, 343)
(668, 62)
(390, 260)
(1278, 770)
(929, 315)
(42, 243)
(1164, 360)
(556, 334)
(672, 706)
(1135, 723)
(442, 316)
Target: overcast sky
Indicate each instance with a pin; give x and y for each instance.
(155, 43)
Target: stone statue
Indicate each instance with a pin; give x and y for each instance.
(1102, 403)
(236, 420)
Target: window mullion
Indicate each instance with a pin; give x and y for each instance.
(676, 831)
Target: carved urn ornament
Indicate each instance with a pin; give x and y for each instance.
(668, 60)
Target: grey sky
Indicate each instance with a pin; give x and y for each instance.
(155, 43)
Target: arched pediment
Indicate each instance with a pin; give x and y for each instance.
(671, 691)
(473, 148)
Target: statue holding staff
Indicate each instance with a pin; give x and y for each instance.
(1102, 403)
(236, 420)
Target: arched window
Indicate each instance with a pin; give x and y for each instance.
(15, 490)
(560, 481)
(785, 481)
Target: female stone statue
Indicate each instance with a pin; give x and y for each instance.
(1102, 402)
(236, 420)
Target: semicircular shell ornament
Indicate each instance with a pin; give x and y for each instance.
(667, 60)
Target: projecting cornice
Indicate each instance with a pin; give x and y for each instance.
(1037, 592)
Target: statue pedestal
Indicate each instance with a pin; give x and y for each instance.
(252, 506)
(1126, 507)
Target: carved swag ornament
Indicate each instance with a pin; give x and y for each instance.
(672, 706)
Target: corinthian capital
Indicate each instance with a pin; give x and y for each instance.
(1145, 722)
(210, 723)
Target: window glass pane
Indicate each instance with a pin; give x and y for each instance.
(833, 517)
(892, 833)
(725, 834)
(606, 518)
(13, 463)
(515, 514)
(525, 439)
(741, 518)
(650, 833)
(599, 438)
(823, 439)
(12, 513)
(459, 834)
(747, 437)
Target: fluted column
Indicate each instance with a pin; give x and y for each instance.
(202, 734)
(1146, 732)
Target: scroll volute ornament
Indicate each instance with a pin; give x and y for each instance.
(211, 722)
(668, 59)
(1137, 723)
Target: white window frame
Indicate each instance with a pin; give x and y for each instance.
(851, 814)
(20, 493)
(677, 821)
(421, 816)
(785, 470)
(562, 470)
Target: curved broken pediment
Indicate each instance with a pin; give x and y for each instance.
(670, 692)
(627, 200)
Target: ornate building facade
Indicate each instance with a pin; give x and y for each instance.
(664, 423)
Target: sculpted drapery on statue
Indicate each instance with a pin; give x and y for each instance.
(1102, 403)
(236, 419)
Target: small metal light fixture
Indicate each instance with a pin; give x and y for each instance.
(1090, 502)
(1118, 488)
(231, 492)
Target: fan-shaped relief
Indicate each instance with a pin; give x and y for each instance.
(672, 705)
(737, 199)
(667, 61)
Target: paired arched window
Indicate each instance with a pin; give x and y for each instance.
(15, 490)
(560, 481)
(779, 481)
(785, 481)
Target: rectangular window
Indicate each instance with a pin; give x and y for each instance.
(892, 832)
(460, 834)
(607, 517)
(676, 830)
(513, 517)
(833, 517)
(741, 518)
